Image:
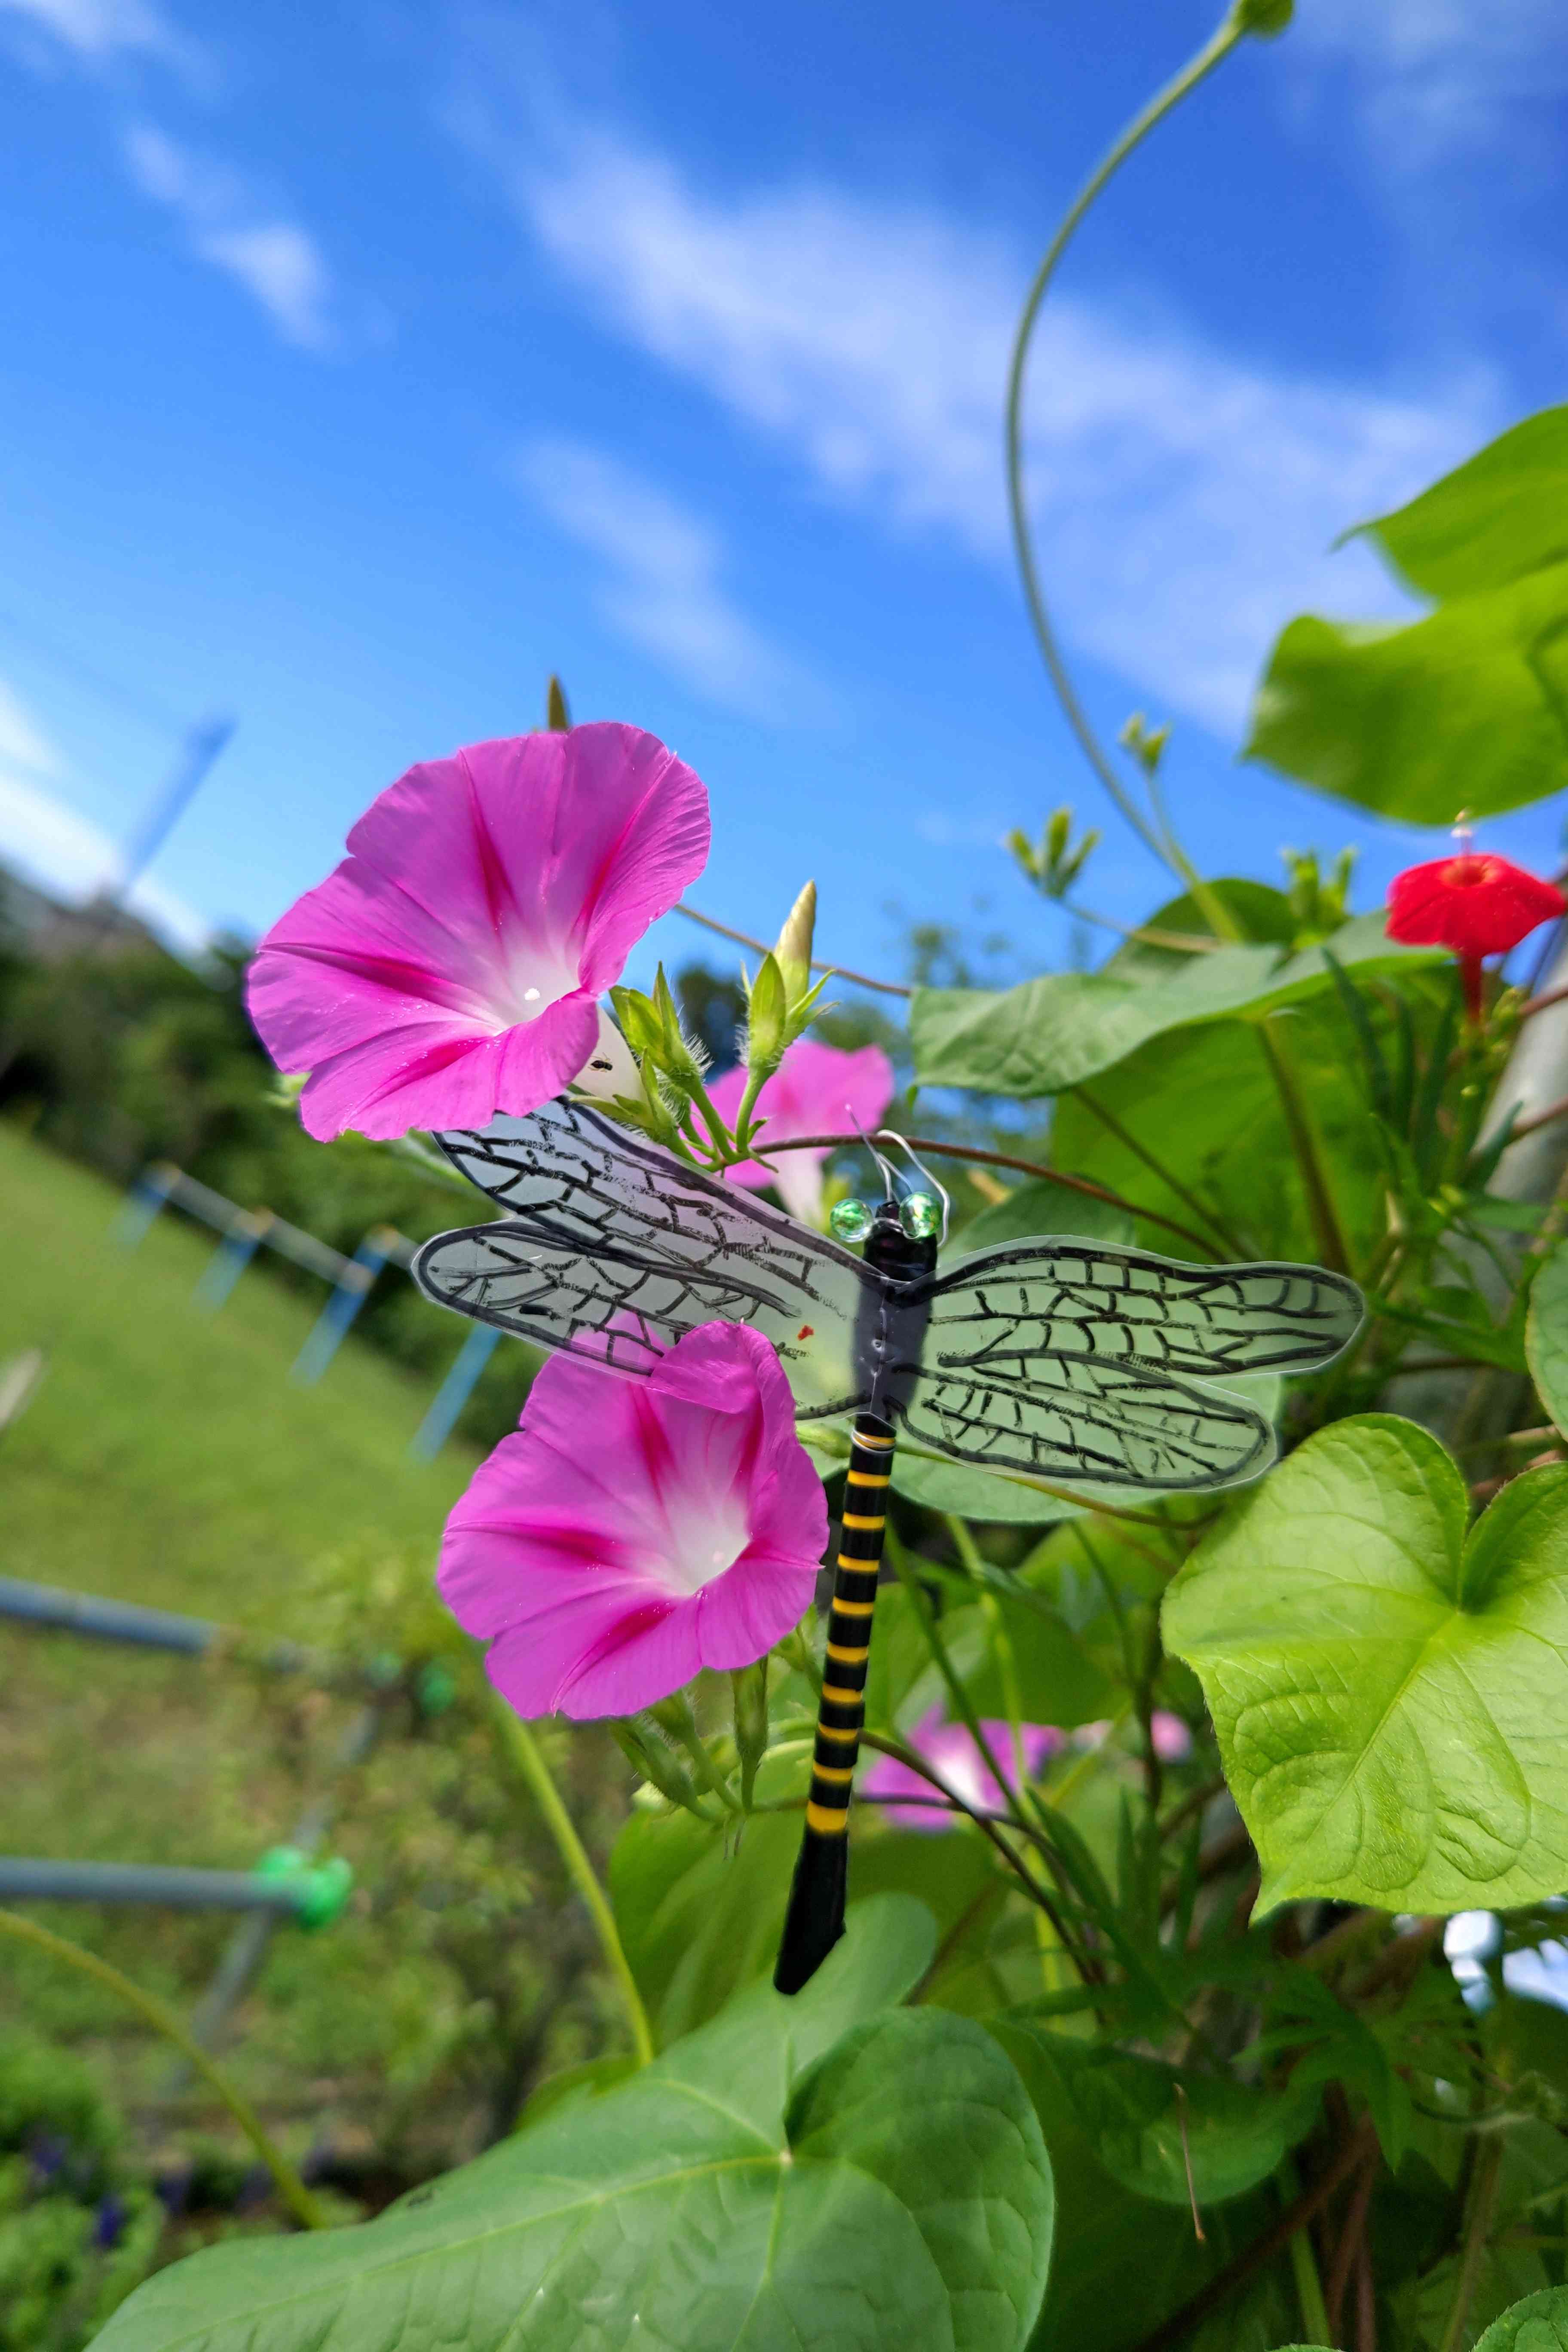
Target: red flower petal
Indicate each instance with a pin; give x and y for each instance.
(1474, 905)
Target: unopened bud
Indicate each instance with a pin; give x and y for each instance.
(557, 717)
(749, 1687)
(793, 950)
(767, 1016)
(1265, 19)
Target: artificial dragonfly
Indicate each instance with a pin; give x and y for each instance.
(1062, 1360)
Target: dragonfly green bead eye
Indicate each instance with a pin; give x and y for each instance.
(850, 1220)
(920, 1213)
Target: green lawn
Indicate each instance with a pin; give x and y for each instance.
(167, 1459)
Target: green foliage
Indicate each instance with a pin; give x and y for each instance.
(1385, 1688)
(819, 2172)
(1539, 2324)
(1040, 1207)
(1466, 709)
(1212, 2004)
(1546, 1334)
(1170, 2135)
(1053, 1033)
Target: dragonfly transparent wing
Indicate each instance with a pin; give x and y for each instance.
(1073, 1361)
(615, 1249)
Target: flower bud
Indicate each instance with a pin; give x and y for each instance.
(647, 1753)
(767, 1018)
(793, 952)
(638, 1019)
(557, 717)
(1265, 19)
(749, 1687)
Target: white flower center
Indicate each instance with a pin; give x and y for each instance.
(706, 1534)
(530, 981)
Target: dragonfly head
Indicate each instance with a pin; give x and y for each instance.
(902, 1233)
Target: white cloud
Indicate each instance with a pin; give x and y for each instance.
(277, 261)
(53, 845)
(22, 743)
(98, 29)
(282, 264)
(102, 35)
(1436, 80)
(664, 590)
(1184, 496)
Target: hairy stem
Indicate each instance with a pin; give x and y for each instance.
(524, 1750)
(158, 2014)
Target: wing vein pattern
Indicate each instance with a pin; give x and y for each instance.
(1063, 1359)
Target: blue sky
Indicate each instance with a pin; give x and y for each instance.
(363, 363)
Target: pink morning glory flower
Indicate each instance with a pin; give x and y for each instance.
(1169, 1737)
(950, 1748)
(816, 1090)
(631, 1531)
(448, 969)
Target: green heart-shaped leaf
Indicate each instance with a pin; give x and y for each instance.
(1169, 2135)
(1461, 710)
(1546, 1334)
(1494, 518)
(1389, 1696)
(795, 2177)
(1539, 2324)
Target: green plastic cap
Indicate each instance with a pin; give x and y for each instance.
(319, 1889)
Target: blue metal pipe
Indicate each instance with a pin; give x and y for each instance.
(23, 1879)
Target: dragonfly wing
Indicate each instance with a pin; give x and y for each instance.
(1073, 1361)
(1087, 1299)
(1069, 1418)
(615, 1249)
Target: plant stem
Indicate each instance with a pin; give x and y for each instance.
(1304, 2270)
(940, 1151)
(1217, 48)
(524, 1753)
(1158, 1170)
(158, 2014)
(1320, 1208)
(1179, 2325)
(744, 940)
(1483, 2194)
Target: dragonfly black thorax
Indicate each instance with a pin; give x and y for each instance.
(892, 1324)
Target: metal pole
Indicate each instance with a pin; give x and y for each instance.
(248, 1944)
(147, 1197)
(102, 1620)
(23, 1879)
(353, 1287)
(231, 1257)
(201, 748)
(454, 1393)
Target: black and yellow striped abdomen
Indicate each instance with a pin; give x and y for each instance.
(815, 1920)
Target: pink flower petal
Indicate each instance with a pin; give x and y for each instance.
(816, 1090)
(950, 1751)
(447, 970)
(632, 1531)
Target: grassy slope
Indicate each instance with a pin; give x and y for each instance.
(167, 1459)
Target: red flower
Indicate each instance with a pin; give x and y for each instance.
(1477, 904)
